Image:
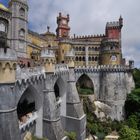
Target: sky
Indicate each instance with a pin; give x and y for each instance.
(89, 17)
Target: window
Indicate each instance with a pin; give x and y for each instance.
(96, 58)
(92, 58)
(76, 59)
(21, 46)
(89, 58)
(22, 12)
(2, 27)
(83, 49)
(22, 33)
(83, 58)
(113, 58)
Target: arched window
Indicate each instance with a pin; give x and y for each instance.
(96, 49)
(22, 12)
(89, 49)
(93, 49)
(96, 58)
(80, 49)
(76, 58)
(113, 58)
(83, 49)
(83, 58)
(2, 27)
(76, 48)
(22, 33)
(80, 59)
(92, 58)
(89, 58)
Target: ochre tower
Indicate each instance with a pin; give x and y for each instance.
(63, 28)
(111, 53)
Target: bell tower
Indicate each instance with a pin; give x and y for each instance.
(63, 28)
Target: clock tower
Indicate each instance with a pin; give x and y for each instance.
(63, 28)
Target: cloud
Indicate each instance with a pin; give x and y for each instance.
(90, 17)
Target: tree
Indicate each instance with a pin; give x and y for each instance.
(127, 133)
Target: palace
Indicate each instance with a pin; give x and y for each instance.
(39, 73)
(89, 50)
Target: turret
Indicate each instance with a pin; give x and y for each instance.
(70, 58)
(48, 60)
(8, 61)
(19, 23)
(63, 28)
(111, 53)
(121, 21)
(113, 29)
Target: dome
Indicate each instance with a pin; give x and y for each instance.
(2, 7)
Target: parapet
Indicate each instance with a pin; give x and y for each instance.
(45, 53)
(102, 68)
(9, 55)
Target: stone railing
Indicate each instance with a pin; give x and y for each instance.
(60, 68)
(104, 68)
(26, 73)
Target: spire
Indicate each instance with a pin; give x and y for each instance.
(48, 29)
(121, 21)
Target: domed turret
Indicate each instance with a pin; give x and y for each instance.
(48, 60)
(2, 7)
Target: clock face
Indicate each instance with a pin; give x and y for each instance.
(64, 22)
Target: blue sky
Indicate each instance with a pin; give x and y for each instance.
(89, 17)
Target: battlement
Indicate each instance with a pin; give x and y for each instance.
(87, 36)
(103, 68)
(60, 68)
(45, 53)
(27, 73)
(8, 55)
(114, 24)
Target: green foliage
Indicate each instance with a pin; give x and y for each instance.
(133, 121)
(136, 75)
(132, 104)
(127, 133)
(85, 91)
(71, 135)
(35, 138)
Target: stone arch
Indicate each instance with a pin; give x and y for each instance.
(85, 85)
(29, 111)
(60, 90)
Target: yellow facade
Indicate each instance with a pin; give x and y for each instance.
(8, 71)
(63, 49)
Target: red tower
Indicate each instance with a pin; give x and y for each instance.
(113, 29)
(63, 28)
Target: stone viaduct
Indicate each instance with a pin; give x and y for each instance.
(55, 112)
